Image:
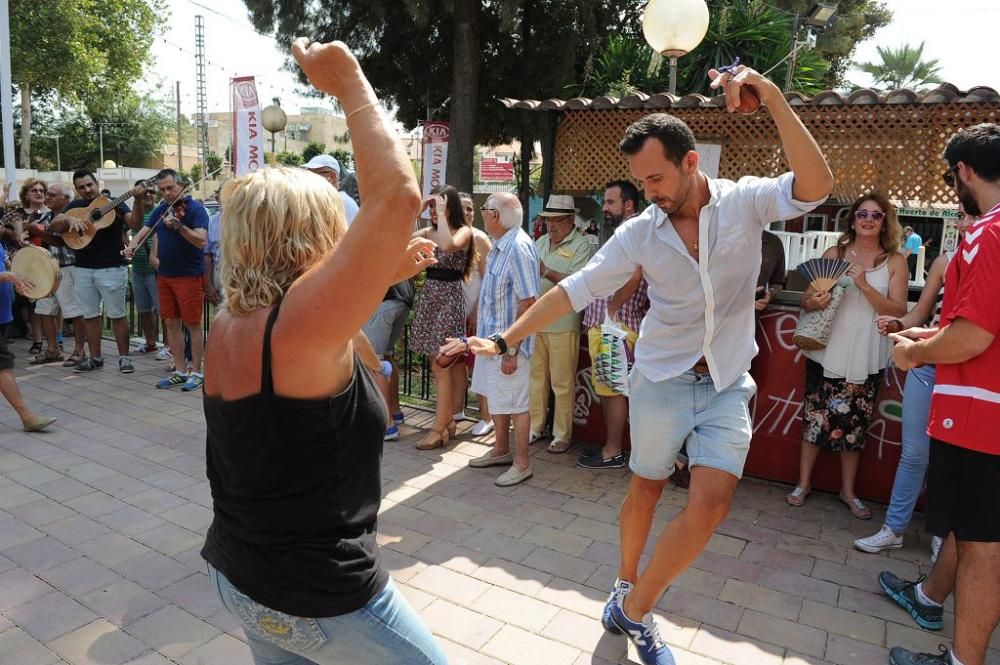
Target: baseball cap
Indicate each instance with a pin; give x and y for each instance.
(323, 162)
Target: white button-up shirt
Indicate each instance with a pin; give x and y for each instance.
(698, 308)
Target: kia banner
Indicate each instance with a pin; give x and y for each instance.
(248, 133)
(435, 157)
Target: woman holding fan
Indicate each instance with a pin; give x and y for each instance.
(842, 379)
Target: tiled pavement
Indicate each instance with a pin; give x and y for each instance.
(102, 519)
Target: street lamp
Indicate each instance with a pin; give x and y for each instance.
(819, 18)
(274, 119)
(674, 28)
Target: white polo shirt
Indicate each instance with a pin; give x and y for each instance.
(703, 308)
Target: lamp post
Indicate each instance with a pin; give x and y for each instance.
(674, 28)
(819, 18)
(274, 119)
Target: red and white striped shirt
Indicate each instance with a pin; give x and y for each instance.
(965, 407)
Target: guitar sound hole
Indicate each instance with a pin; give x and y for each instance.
(95, 216)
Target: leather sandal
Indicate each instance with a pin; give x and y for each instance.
(857, 508)
(46, 358)
(73, 359)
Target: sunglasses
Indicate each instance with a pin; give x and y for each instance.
(949, 175)
(34, 190)
(485, 209)
(876, 215)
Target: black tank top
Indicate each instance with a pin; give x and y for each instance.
(296, 486)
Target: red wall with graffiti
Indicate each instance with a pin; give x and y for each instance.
(779, 370)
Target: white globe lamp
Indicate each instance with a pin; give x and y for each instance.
(674, 28)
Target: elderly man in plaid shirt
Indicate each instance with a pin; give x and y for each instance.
(510, 286)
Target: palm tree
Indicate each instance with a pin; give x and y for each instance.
(903, 68)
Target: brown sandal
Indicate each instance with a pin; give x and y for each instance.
(46, 358)
(73, 359)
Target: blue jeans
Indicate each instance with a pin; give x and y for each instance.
(384, 631)
(916, 448)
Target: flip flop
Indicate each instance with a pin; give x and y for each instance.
(558, 446)
(797, 497)
(857, 508)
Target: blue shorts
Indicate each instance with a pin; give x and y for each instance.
(144, 293)
(664, 415)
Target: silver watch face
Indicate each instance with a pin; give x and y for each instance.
(511, 351)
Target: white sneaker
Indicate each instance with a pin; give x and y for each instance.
(936, 542)
(885, 539)
(482, 428)
(460, 416)
(164, 354)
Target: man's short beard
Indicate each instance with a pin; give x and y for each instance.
(968, 200)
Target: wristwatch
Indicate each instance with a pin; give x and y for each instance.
(501, 343)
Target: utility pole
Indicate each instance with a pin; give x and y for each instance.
(180, 163)
(7, 97)
(795, 48)
(201, 89)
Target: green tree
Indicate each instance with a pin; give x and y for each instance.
(345, 158)
(133, 129)
(461, 55)
(314, 148)
(79, 50)
(195, 173)
(289, 158)
(856, 21)
(214, 165)
(903, 67)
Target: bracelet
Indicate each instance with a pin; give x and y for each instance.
(369, 105)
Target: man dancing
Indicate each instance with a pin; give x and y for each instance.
(698, 247)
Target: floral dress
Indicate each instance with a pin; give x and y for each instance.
(440, 311)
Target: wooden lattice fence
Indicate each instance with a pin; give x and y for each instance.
(891, 148)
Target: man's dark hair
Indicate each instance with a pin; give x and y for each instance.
(979, 148)
(83, 173)
(676, 137)
(168, 173)
(629, 192)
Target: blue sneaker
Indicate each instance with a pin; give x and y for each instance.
(901, 656)
(617, 595)
(172, 381)
(391, 433)
(398, 418)
(194, 381)
(930, 617)
(645, 635)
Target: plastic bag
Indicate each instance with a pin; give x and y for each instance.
(614, 358)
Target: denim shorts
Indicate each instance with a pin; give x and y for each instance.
(94, 285)
(385, 328)
(383, 632)
(665, 415)
(144, 292)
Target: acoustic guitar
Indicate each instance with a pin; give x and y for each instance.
(98, 215)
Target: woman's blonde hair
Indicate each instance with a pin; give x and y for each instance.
(25, 186)
(890, 236)
(276, 224)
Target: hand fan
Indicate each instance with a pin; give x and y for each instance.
(823, 274)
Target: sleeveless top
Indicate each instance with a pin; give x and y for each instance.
(939, 300)
(856, 350)
(296, 487)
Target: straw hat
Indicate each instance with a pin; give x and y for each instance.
(559, 205)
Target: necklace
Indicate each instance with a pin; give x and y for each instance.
(695, 245)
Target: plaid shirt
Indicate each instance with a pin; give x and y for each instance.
(511, 276)
(632, 310)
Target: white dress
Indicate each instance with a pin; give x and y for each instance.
(856, 350)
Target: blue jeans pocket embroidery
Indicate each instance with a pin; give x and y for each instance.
(283, 630)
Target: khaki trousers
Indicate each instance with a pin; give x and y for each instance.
(553, 365)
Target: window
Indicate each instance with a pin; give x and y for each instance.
(815, 222)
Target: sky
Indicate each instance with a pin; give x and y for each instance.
(958, 33)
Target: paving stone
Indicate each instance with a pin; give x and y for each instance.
(14, 532)
(154, 500)
(787, 634)
(96, 504)
(458, 624)
(191, 516)
(700, 581)
(41, 512)
(845, 651)
(169, 539)
(64, 489)
(40, 553)
(460, 655)
(448, 584)
(514, 608)
(112, 549)
(221, 650)
(496, 545)
(402, 566)
(856, 626)
(773, 557)
(19, 586)
(119, 485)
(737, 649)
(76, 530)
(555, 539)
(513, 576)
(810, 547)
(771, 602)
(518, 647)
(454, 557)
(79, 576)
(801, 585)
(19, 648)
(584, 633)
(418, 599)
(194, 594)
(873, 604)
(572, 596)
(730, 567)
(701, 608)
(153, 570)
(172, 631)
(151, 658)
(122, 602)
(401, 539)
(130, 521)
(557, 563)
(98, 643)
(50, 616)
